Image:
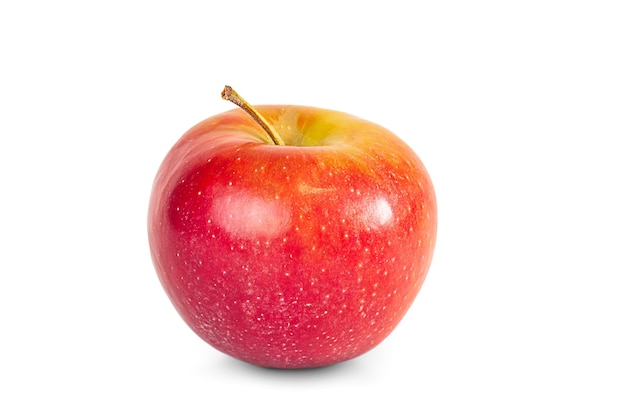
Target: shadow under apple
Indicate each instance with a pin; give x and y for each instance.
(354, 369)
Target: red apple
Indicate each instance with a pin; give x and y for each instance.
(299, 254)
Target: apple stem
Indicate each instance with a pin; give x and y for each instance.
(231, 95)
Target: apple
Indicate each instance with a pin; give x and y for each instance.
(290, 236)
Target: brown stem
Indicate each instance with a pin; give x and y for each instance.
(231, 95)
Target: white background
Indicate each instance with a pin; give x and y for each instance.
(518, 110)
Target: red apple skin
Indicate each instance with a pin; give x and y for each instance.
(294, 256)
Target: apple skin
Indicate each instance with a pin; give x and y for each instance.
(294, 256)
